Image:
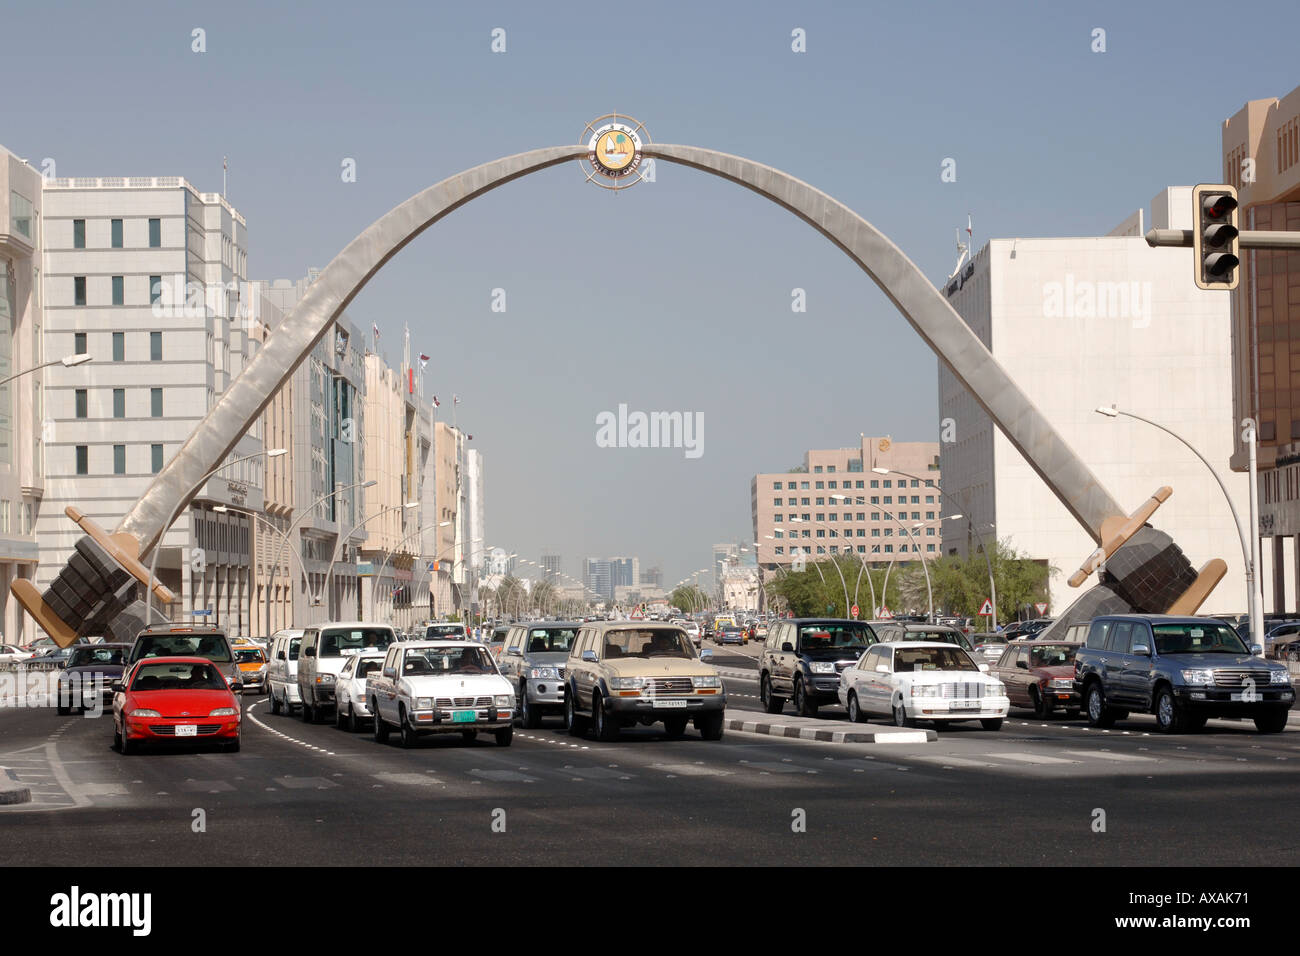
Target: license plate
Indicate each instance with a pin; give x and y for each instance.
(964, 707)
(187, 730)
(464, 716)
(670, 703)
(1248, 697)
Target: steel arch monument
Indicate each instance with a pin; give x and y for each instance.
(1144, 570)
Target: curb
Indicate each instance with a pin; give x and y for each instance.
(797, 732)
(11, 792)
(739, 675)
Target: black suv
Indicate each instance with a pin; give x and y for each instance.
(802, 660)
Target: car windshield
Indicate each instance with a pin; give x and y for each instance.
(437, 661)
(211, 646)
(87, 656)
(249, 656)
(1052, 655)
(543, 640)
(818, 637)
(939, 636)
(1197, 639)
(932, 659)
(660, 642)
(441, 631)
(335, 642)
(178, 676)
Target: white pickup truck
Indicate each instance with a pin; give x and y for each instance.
(440, 687)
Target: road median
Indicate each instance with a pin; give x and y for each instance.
(11, 791)
(828, 731)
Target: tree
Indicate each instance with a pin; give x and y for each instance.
(689, 598)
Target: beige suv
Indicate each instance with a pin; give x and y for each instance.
(622, 673)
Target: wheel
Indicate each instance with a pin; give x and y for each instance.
(1171, 716)
(710, 725)
(674, 727)
(128, 746)
(771, 703)
(1271, 721)
(991, 723)
(1072, 714)
(900, 714)
(338, 716)
(504, 736)
(1036, 701)
(576, 723)
(1099, 715)
(855, 713)
(381, 728)
(63, 711)
(529, 715)
(802, 706)
(275, 702)
(353, 724)
(409, 736)
(307, 716)
(606, 729)
(117, 740)
(1196, 721)
(234, 745)
(468, 736)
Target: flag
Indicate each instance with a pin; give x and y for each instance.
(436, 403)
(374, 326)
(224, 163)
(455, 399)
(968, 224)
(424, 360)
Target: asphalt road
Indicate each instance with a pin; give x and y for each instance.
(312, 794)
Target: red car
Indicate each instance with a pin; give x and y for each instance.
(169, 699)
(1039, 674)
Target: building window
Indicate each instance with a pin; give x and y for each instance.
(155, 233)
(821, 484)
(776, 519)
(915, 483)
(875, 499)
(803, 486)
(117, 233)
(79, 290)
(929, 499)
(78, 233)
(929, 547)
(155, 346)
(119, 459)
(875, 532)
(821, 501)
(20, 214)
(119, 290)
(776, 502)
(79, 401)
(780, 550)
(83, 459)
(831, 469)
(156, 458)
(889, 499)
(817, 469)
(833, 486)
(875, 483)
(155, 402)
(119, 403)
(889, 549)
(119, 346)
(803, 501)
(78, 343)
(155, 289)
(929, 516)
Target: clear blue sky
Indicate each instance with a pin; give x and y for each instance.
(676, 294)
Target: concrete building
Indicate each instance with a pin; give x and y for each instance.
(740, 589)
(554, 566)
(653, 577)
(1261, 157)
(327, 454)
(442, 500)
(148, 275)
(597, 575)
(22, 436)
(475, 533)
(1080, 323)
(835, 504)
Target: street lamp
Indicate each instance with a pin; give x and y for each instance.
(911, 541)
(380, 575)
(1249, 543)
(184, 502)
(222, 509)
(338, 548)
(310, 509)
(68, 361)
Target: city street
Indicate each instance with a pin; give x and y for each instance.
(312, 794)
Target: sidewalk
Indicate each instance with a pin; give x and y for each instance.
(828, 731)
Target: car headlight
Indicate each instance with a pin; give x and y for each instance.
(424, 703)
(1198, 676)
(707, 680)
(627, 683)
(222, 712)
(544, 673)
(1279, 677)
(324, 678)
(924, 690)
(995, 689)
(822, 667)
(504, 701)
(145, 712)
(1061, 683)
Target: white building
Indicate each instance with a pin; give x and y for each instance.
(1085, 322)
(22, 447)
(740, 588)
(147, 275)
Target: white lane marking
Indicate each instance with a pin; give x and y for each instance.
(1031, 758)
(953, 761)
(1108, 755)
(293, 740)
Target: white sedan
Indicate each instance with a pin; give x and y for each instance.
(9, 654)
(922, 681)
(351, 689)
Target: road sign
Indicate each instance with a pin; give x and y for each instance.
(884, 613)
(201, 613)
(1041, 607)
(986, 608)
(854, 612)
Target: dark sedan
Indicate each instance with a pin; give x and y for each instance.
(1040, 675)
(87, 681)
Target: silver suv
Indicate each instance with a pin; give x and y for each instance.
(533, 660)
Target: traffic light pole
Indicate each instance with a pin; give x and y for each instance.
(1248, 239)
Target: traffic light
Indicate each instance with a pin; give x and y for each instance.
(1215, 237)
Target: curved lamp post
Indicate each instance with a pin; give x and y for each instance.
(185, 500)
(222, 509)
(68, 361)
(338, 548)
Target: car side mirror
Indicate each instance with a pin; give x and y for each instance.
(309, 652)
(280, 656)
(390, 672)
(1142, 650)
(117, 687)
(1256, 650)
(589, 656)
(1022, 664)
(787, 648)
(706, 654)
(882, 668)
(515, 652)
(236, 687)
(984, 668)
